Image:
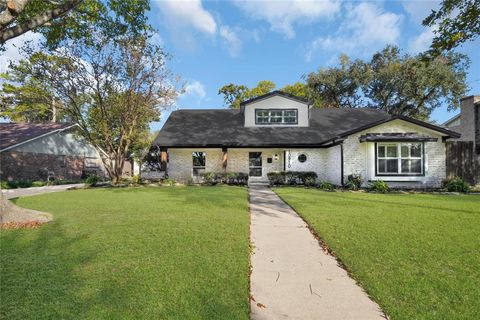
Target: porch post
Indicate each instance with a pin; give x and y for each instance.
(224, 159)
(163, 160)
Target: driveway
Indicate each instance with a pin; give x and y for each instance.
(21, 192)
(292, 277)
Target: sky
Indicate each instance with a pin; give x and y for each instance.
(213, 43)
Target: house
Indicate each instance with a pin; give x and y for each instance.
(463, 153)
(41, 151)
(278, 131)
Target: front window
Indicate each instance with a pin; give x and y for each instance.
(199, 159)
(276, 116)
(399, 159)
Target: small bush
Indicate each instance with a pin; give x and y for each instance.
(136, 179)
(92, 180)
(38, 184)
(354, 182)
(236, 178)
(4, 185)
(456, 184)
(276, 178)
(327, 186)
(210, 178)
(168, 182)
(309, 181)
(379, 186)
(190, 182)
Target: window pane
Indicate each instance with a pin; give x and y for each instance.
(198, 159)
(416, 150)
(290, 120)
(382, 166)
(405, 150)
(416, 166)
(392, 166)
(405, 166)
(381, 151)
(289, 113)
(276, 120)
(276, 113)
(391, 151)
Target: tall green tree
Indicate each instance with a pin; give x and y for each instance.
(59, 20)
(112, 89)
(339, 86)
(395, 82)
(455, 22)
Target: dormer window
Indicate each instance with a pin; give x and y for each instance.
(276, 116)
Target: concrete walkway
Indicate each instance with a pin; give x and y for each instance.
(21, 192)
(292, 277)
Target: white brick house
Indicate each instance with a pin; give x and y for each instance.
(280, 132)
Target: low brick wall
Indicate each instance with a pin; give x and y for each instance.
(36, 166)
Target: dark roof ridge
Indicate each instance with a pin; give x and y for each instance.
(275, 93)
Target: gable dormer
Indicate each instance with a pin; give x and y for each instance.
(276, 108)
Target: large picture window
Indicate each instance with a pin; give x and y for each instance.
(276, 116)
(199, 159)
(400, 159)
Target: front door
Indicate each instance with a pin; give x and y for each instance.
(255, 164)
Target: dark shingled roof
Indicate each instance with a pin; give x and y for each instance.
(225, 128)
(14, 133)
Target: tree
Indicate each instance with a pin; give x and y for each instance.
(142, 149)
(399, 84)
(234, 94)
(59, 20)
(25, 99)
(112, 89)
(456, 21)
(340, 86)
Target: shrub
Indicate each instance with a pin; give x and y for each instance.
(354, 182)
(309, 181)
(4, 185)
(299, 177)
(379, 186)
(276, 178)
(168, 182)
(236, 178)
(38, 184)
(456, 184)
(210, 178)
(136, 179)
(92, 180)
(327, 186)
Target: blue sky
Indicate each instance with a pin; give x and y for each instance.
(213, 43)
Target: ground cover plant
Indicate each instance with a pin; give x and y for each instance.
(415, 254)
(130, 253)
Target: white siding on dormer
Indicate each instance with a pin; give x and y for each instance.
(276, 102)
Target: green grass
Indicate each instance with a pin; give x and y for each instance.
(417, 255)
(142, 253)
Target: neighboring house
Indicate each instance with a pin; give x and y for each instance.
(39, 151)
(467, 122)
(463, 155)
(277, 131)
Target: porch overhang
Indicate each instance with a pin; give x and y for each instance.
(396, 137)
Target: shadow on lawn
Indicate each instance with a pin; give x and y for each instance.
(394, 203)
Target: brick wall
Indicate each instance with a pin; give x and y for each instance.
(35, 166)
(359, 158)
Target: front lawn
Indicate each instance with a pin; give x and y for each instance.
(417, 255)
(141, 253)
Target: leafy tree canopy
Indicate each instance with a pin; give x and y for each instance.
(455, 22)
(59, 20)
(395, 82)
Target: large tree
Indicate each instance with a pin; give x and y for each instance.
(395, 82)
(112, 89)
(455, 22)
(59, 20)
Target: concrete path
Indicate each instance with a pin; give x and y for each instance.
(292, 277)
(21, 192)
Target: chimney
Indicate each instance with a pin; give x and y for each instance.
(470, 120)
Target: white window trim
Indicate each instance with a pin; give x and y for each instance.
(270, 117)
(399, 159)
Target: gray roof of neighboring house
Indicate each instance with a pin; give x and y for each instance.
(225, 128)
(12, 134)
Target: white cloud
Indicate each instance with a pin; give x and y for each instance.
(231, 40)
(12, 48)
(421, 42)
(366, 27)
(282, 15)
(181, 14)
(194, 89)
(419, 10)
